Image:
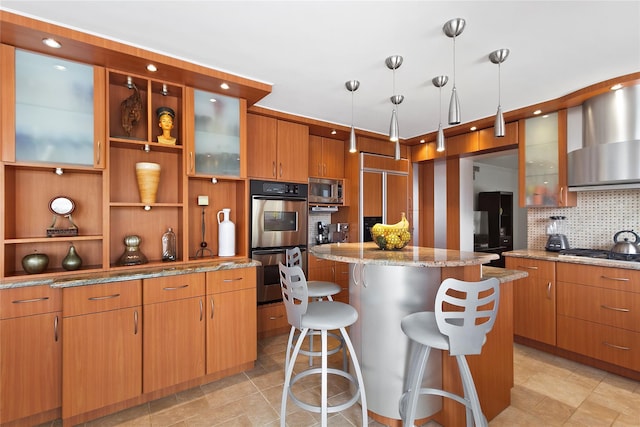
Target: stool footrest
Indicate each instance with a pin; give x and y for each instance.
(317, 408)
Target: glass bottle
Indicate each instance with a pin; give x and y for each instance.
(169, 245)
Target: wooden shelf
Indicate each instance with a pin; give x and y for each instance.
(51, 239)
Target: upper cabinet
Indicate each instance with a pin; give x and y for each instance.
(326, 157)
(543, 161)
(214, 142)
(277, 148)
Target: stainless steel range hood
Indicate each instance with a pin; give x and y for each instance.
(610, 154)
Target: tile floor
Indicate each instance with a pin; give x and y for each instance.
(548, 391)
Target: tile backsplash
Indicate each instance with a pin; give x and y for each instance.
(593, 222)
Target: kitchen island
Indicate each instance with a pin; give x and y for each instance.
(385, 286)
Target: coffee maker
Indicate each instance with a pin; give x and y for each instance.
(557, 231)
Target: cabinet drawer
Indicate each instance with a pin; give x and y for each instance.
(606, 277)
(614, 308)
(612, 345)
(273, 316)
(96, 298)
(169, 288)
(231, 280)
(25, 301)
(539, 270)
(314, 262)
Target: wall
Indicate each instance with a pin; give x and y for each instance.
(593, 223)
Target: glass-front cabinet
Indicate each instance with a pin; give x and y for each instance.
(216, 148)
(543, 161)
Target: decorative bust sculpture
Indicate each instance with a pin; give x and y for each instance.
(165, 122)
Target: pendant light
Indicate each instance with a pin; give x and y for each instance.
(498, 57)
(352, 86)
(438, 82)
(393, 63)
(453, 29)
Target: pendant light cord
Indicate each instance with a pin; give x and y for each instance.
(454, 62)
(499, 90)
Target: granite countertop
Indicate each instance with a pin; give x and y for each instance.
(155, 270)
(502, 274)
(410, 256)
(555, 256)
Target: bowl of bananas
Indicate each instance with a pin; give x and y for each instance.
(392, 236)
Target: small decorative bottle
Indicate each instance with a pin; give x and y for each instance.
(169, 245)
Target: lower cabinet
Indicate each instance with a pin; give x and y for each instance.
(330, 271)
(173, 330)
(102, 350)
(30, 355)
(272, 320)
(534, 299)
(231, 327)
(599, 313)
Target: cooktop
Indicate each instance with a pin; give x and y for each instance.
(600, 253)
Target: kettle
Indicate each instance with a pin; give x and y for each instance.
(625, 246)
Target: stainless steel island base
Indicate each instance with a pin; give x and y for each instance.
(383, 296)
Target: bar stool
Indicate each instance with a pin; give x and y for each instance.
(319, 316)
(318, 290)
(464, 313)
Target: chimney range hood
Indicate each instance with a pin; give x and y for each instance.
(610, 153)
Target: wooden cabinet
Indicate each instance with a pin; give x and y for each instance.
(542, 165)
(326, 157)
(276, 148)
(488, 141)
(30, 355)
(385, 187)
(534, 299)
(272, 320)
(231, 318)
(599, 313)
(330, 271)
(102, 347)
(173, 330)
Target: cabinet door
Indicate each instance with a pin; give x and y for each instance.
(102, 360)
(31, 368)
(543, 161)
(397, 193)
(315, 156)
(173, 343)
(231, 329)
(372, 190)
(293, 146)
(488, 141)
(333, 157)
(534, 301)
(262, 144)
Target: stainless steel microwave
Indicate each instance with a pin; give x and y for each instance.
(326, 191)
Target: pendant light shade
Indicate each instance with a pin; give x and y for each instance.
(352, 86)
(439, 82)
(453, 28)
(498, 57)
(394, 62)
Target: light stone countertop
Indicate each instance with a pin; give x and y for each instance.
(555, 256)
(503, 275)
(155, 270)
(410, 256)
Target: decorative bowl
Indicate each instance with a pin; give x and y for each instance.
(391, 238)
(35, 263)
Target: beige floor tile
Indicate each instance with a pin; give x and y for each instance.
(592, 414)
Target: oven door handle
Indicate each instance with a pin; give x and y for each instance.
(279, 198)
(268, 251)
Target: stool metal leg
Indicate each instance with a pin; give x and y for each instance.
(356, 367)
(409, 400)
(288, 374)
(470, 394)
(323, 387)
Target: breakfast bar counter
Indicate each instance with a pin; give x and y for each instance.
(385, 286)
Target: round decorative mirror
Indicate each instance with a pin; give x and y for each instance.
(61, 205)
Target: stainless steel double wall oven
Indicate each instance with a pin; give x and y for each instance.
(278, 222)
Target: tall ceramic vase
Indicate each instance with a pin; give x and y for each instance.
(226, 234)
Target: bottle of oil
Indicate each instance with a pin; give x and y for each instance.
(169, 245)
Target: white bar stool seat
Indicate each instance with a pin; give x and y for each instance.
(320, 316)
(318, 291)
(464, 313)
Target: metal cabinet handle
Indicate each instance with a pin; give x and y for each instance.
(175, 288)
(104, 297)
(99, 152)
(55, 329)
(212, 307)
(562, 196)
(135, 322)
(22, 301)
(201, 310)
(280, 169)
(233, 280)
(619, 279)
(529, 267)
(273, 165)
(619, 347)
(607, 307)
(191, 161)
(549, 290)
(276, 317)
(324, 169)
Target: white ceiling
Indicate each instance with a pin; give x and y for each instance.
(308, 49)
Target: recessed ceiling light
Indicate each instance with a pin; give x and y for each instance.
(152, 68)
(472, 128)
(616, 86)
(545, 116)
(422, 141)
(537, 112)
(60, 67)
(333, 132)
(212, 100)
(224, 86)
(52, 43)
